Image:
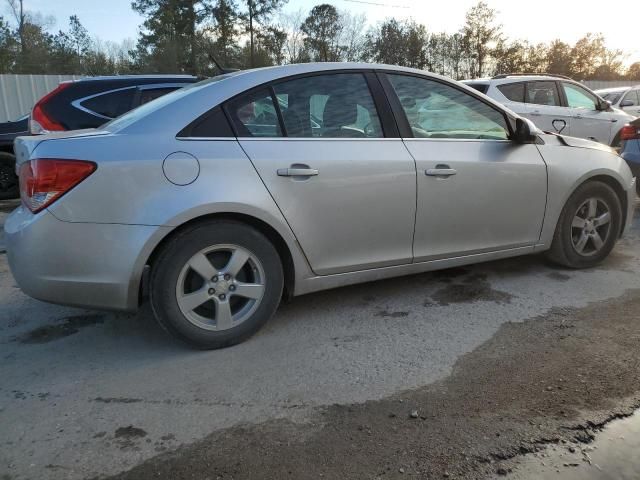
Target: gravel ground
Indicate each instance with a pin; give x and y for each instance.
(451, 373)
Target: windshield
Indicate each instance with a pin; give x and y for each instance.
(143, 110)
(613, 97)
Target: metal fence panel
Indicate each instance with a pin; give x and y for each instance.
(18, 93)
(600, 84)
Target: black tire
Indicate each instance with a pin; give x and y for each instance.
(563, 251)
(9, 186)
(166, 271)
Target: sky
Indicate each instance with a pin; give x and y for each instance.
(536, 21)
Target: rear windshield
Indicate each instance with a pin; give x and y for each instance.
(160, 102)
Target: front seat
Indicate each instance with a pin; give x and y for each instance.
(340, 112)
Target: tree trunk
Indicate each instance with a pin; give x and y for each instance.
(251, 61)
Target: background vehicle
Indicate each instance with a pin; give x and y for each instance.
(8, 179)
(630, 147)
(624, 98)
(85, 103)
(557, 104)
(234, 197)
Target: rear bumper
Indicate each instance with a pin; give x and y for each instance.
(78, 264)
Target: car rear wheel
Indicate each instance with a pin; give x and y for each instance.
(9, 185)
(215, 284)
(588, 227)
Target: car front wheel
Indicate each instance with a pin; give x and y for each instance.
(588, 227)
(215, 284)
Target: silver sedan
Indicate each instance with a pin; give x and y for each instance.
(218, 200)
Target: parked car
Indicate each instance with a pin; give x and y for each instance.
(557, 104)
(8, 179)
(84, 103)
(217, 201)
(630, 148)
(624, 98)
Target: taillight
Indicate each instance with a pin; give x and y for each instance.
(40, 122)
(44, 180)
(630, 132)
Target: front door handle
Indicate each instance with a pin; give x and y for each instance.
(441, 171)
(297, 172)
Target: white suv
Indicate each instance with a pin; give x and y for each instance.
(624, 98)
(557, 104)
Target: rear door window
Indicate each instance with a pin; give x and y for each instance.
(543, 93)
(513, 91)
(338, 105)
(111, 104)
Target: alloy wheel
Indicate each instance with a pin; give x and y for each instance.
(220, 287)
(591, 227)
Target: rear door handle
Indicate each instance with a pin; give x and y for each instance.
(441, 171)
(297, 172)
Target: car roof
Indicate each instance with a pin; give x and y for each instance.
(108, 78)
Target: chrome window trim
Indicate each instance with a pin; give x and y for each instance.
(78, 102)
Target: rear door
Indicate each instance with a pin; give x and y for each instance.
(347, 190)
(477, 191)
(544, 107)
(587, 121)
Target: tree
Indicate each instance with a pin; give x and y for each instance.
(170, 41)
(8, 47)
(398, 43)
(225, 18)
(352, 39)
(559, 58)
(480, 32)
(633, 72)
(257, 15)
(322, 29)
(585, 56)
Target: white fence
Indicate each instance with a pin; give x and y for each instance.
(18, 93)
(599, 84)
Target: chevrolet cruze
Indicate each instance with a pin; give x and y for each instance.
(221, 198)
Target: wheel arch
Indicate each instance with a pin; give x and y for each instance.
(611, 181)
(278, 241)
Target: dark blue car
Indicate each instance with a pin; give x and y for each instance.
(630, 148)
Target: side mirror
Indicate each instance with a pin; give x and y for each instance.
(626, 103)
(604, 106)
(526, 131)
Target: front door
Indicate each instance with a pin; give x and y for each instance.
(477, 191)
(587, 121)
(347, 192)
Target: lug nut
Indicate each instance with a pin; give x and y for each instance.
(212, 291)
(227, 276)
(222, 297)
(215, 279)
(232, 288)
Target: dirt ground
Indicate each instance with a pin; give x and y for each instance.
(554, 379)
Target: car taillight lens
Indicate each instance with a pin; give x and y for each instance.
(40, 121)
(44, 180)
(630, 132)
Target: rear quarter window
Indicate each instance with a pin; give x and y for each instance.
(481, 87)
(112, 104)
